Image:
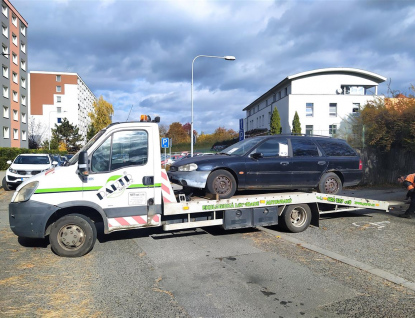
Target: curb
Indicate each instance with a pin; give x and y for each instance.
(365, 267)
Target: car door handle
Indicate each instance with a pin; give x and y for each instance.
(284, 163)
(321, 163)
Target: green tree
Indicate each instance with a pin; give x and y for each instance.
(275, 122)
(296, 125)
(91, 132)
(68, 134)
(101, 116)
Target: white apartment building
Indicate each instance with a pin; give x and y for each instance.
(323, 98)
(57, 95)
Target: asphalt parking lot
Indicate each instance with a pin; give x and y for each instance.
(356, 264)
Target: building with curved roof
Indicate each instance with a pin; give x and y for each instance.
(324, 99)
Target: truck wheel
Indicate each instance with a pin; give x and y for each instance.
(330, 183)
(221, 182)
(73, 235)
(6, 187)
(296, 218)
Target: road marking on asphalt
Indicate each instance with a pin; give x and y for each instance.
(371, 225)
(365, 267)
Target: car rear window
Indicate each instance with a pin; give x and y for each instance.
(336, 148)
(304, 148)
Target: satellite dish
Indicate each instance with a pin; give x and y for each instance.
(339, 91)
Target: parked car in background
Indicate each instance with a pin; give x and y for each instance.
(272, 162)
(59, 159)
(25, 166)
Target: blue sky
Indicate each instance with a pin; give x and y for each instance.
(140, 52)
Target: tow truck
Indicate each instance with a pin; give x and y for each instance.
(117, 179)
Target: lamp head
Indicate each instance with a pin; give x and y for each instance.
(230, 58)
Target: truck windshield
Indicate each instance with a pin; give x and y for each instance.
(74, 159)
(242, 147)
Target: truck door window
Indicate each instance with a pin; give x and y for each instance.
(129, 148)
(100, 160)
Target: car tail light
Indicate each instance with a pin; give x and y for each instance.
(360, 165)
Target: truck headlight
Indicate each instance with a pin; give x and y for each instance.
(188, 167)
(26, 192)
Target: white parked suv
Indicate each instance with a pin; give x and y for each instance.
(24, 167)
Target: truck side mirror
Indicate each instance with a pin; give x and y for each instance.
(83, 163)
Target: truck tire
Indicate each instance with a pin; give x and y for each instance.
(221, 182)
(296, 218)
(6, 187)
(330, 183)
(73, 235)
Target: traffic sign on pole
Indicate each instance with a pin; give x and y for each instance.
(241, 135)
(165, 142)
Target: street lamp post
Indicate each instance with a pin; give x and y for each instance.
(50, 134)
(227, 58)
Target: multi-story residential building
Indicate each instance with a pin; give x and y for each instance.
(324, 99)
(14, 98)
(57, 95)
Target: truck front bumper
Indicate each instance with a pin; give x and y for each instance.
(28, 219)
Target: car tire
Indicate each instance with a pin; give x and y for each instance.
(330, 183)
(221, 182)
(73, 235)
(5, 185)
(296, 218)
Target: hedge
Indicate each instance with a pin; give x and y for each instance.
(11, 153)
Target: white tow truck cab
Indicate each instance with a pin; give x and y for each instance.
(117, 179)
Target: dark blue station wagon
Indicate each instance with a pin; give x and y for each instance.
(272, 162)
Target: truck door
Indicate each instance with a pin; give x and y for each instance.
(121, 179)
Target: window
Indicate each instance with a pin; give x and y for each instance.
(14, 39)
(128, 148)
(23, 118)
(59, 120)
(5, 30)
(14, 76)
(5, 10)
(353, 90)
(23, 65)
(15, 115)
(309, 130)
(24, 135)
(279, 95)
(14, 20)
(274, 147)
(5, 112)
(333, 110)
(15, 96)
(285, 91)
(336, 148)
(6, 132)
(15, 134)
(5, 92)
(356, 108)
(5, 71)
(23, 82)
(332, 129)
(309, 107)
(58, 78)
(304, 148)
(14, 58)
(58, 110)
(58, 99)
(5, 51)
(23, 47)
(23, 100)
(23, 29)
(58, 89)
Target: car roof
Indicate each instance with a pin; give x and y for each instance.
(300, 137)
(33, 154)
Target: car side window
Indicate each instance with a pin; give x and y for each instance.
(304, 148)
(336, 148)
(275, 147)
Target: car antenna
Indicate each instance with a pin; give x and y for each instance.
(130, 112)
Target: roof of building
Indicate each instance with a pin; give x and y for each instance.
(373, 76)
